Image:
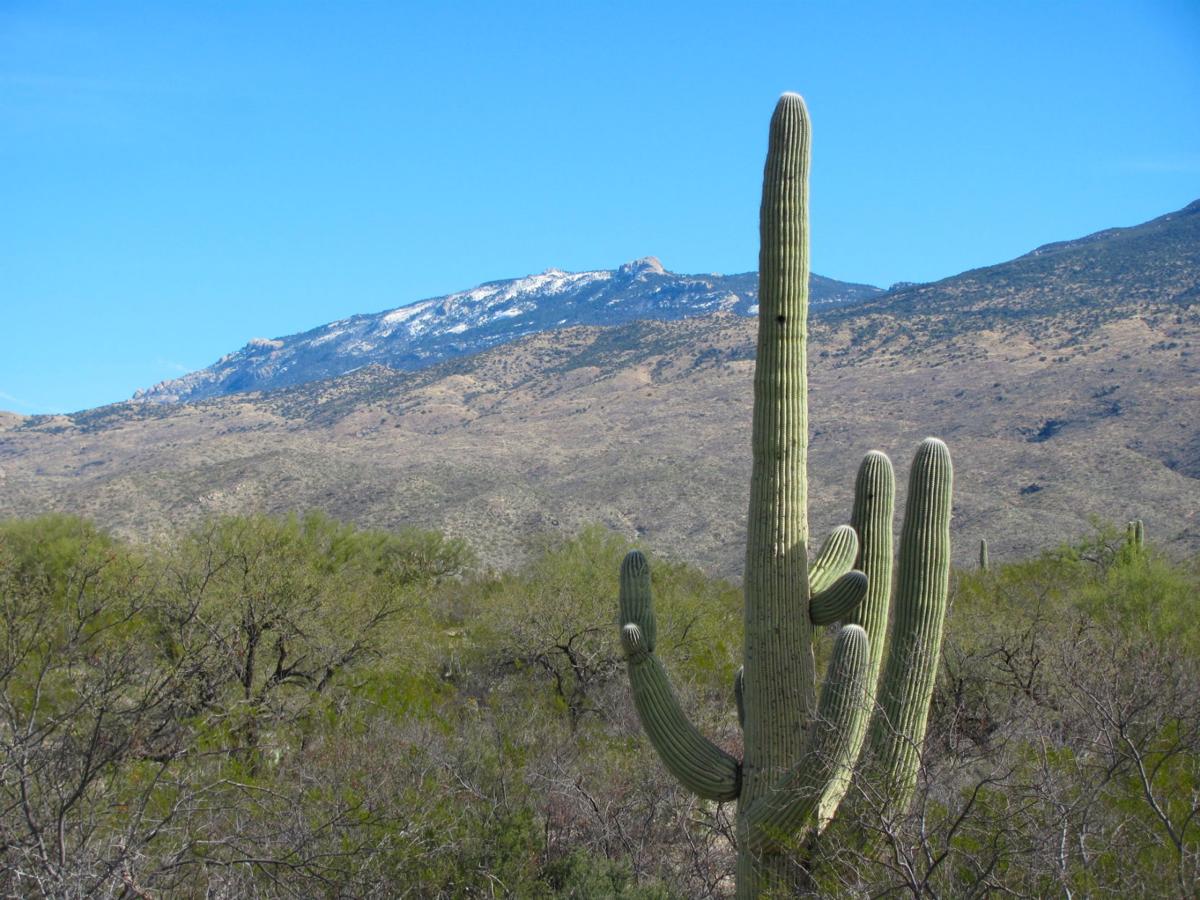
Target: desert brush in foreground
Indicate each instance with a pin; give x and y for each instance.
(801, 759)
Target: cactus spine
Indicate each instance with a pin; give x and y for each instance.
(799, 753)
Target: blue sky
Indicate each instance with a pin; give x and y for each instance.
(176, 178)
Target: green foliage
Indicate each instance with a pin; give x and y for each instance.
(51, 548)
(1066, 702)
(1102, 578)
(1145, 593)
(583, 875)
(1071, 679)
(555, 618)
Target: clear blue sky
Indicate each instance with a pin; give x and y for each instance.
(178, 177)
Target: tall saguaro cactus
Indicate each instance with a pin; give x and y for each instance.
(800, 751)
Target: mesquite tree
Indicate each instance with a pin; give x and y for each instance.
(802, 753)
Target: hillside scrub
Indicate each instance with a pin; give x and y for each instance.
(281, 707)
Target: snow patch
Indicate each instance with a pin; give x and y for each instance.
(404, 313)
(550, 282)
(325, 338)
(421, 323)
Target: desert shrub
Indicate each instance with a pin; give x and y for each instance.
(94, 720)
(281, 707)
(556, 616)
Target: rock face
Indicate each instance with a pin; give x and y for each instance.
(647, 265)
(412, 337)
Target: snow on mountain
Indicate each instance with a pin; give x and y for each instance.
(429, 331)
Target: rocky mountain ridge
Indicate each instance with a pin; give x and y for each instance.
(430, 331)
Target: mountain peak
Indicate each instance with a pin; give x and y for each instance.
(647, 265)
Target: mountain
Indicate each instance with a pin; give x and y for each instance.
(1089, 280)
(413, 337)
(1065, 382)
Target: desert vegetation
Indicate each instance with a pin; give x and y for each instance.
(294, 707)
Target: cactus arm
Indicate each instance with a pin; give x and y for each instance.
(636, 601)
(874, 508)
(898, 727)
(835, 559)
(839, 599)
(700, 765)
(830, 749)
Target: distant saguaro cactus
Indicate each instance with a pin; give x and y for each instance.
(983, 555)
(799, 752)
(1136, 535)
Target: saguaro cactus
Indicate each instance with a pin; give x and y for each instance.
(1136, 535)
(800, 752)
(983, 555)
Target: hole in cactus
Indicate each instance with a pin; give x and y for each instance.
(781, 319)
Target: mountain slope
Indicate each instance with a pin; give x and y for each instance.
(412, 337)
(1088, 406)
(1091, 279)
